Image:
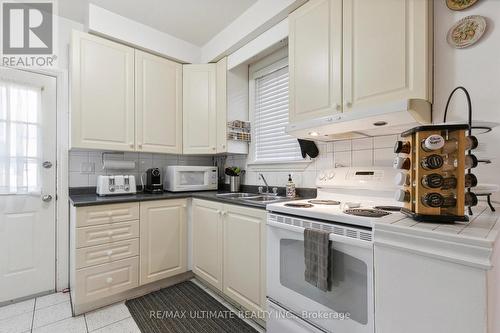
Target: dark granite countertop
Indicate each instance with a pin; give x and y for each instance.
(80, 197)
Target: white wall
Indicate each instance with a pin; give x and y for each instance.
(477, 68)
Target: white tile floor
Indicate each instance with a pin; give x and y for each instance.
(52, 314)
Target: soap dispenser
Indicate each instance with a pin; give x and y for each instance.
(290, 187)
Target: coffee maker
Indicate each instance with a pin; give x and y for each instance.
(153, 181)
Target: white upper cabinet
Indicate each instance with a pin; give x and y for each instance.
(158, 104)
(199, 109)
(358, 54)
(102, 99)
(386, 51)
(315, 59)
(221, 105)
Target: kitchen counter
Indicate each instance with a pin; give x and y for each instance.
(469, 243)
(92, 199)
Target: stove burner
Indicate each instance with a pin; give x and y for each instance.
(324, 202)
(298, 205)
(388, 208)
(366, 212)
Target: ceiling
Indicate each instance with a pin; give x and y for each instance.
(195, 21)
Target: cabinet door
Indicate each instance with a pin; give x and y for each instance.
(207, 241)
(163, 239)
(386, 51)
(158, 100)
(221, 87)
(315, 59)
(199, 109)
(102, 94)
(244, 256)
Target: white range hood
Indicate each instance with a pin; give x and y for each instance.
(391, 118)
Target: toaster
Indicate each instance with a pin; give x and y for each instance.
(116, 185)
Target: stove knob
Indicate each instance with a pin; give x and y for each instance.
(331, 175)
(322, 176)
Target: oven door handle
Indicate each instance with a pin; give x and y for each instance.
(333, 237)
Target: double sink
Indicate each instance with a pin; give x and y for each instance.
(252, 197)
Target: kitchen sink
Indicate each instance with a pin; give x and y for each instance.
(240, 195)
(264, 198)
(251, 197)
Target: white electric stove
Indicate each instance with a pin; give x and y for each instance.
(348, 203)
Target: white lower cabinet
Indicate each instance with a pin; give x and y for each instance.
(105, 280)
(244, 256)
(163, 239)
(117, 248)
(229, 250)
(207, 241)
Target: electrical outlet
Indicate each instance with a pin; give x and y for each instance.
(87, 168)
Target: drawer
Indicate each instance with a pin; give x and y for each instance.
(100, 254)
(104, 214)
(106, 233)
(96, 282)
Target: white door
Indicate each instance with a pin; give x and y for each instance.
(199, 109)
(27, 183)
(158, 104)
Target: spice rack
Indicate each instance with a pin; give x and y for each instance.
(239, 130)
(433, 175)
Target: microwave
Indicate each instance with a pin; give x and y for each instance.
(179, 178)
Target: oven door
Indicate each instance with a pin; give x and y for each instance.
(348, 306)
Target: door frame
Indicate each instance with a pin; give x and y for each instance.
(62, 182)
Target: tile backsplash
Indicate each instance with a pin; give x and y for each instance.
(86, 165)
(377, 151)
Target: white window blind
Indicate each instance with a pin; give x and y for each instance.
(20, 131)
(272, 144)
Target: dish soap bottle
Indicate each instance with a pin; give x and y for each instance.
(290, 187)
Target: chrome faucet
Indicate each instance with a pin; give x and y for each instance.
(265, 182)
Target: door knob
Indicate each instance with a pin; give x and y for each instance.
(47, 164)
(46, 198)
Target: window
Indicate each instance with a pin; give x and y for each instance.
(20, 150)
(269, 94)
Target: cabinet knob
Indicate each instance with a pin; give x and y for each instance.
(110, 233)
(347, 104)
(131, 144)
(139, 145)
(109, 280)
(213, 148)
(336, 106)
(109, 253)
(219, 212)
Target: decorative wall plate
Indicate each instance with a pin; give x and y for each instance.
(467, 31)
(460, 4)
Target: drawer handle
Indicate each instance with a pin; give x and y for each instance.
(109, 280)
(109, 253)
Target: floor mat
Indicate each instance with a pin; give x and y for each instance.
(184, 308)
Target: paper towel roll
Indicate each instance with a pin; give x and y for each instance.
(118, 165)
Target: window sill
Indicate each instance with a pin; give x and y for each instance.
(295, 166)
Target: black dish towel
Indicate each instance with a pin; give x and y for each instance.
(308, 148)
(317, 258)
